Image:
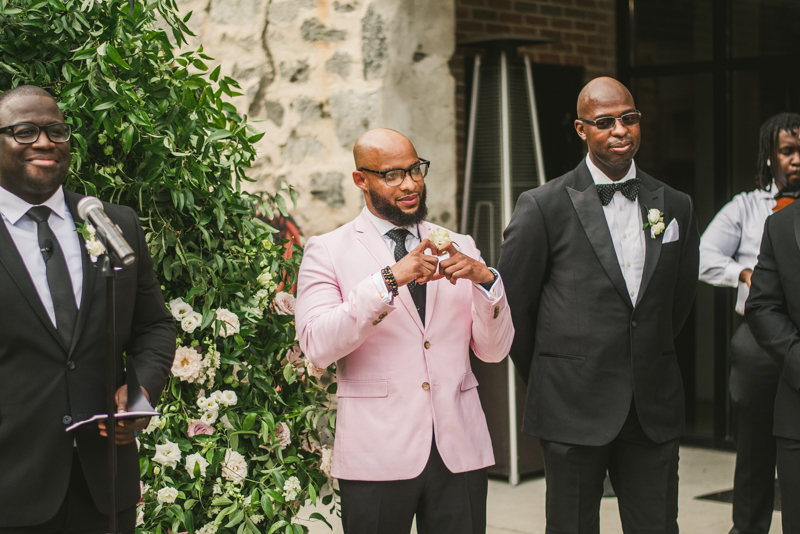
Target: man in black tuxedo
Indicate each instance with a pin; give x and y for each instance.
(596, 302)
(53, 321)
(773, 314)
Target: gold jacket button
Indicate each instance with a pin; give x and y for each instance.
(496, 312)
(426, 386)
(381, 316)
(427, 344)
(375, 322)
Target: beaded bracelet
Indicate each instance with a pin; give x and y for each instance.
(391, 283)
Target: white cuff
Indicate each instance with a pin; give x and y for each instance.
(732, 272)
(380, 285)
(490, 294)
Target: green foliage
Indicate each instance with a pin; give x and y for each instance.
(153, 130)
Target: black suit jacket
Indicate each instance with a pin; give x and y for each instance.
(581, 346)
(773, 312)
(45, 384)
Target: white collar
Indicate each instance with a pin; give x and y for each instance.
(14, 208)
(600, 177)
(383, 226)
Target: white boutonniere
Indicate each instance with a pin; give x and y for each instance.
(655, 221)
(439, 237)
(94, 246)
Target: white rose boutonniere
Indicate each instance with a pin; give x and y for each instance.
(439, 237)
(655, 221)
(95, 247)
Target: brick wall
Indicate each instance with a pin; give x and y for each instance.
(580, 33)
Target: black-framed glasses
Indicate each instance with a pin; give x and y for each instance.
(395, 177)
(604, 123)
(27, 133)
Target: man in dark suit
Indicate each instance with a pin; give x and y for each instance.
(773, 314)
(596, 302)
(53, 321)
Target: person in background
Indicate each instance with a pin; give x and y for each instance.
(728, 252)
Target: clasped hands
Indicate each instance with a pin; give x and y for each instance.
(125, 427)
(419, 267)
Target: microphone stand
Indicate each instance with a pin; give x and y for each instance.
(111, 407)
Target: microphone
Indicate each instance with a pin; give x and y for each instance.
(91, 209)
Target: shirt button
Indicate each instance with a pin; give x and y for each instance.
(620, 208)
(624, 236)
(67, 420)
(632, 293)
(634, 324)
(71, 365)
(426, 386)
(628, 264)
(427, 344)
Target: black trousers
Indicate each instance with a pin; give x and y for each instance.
(789, 478)
(78, 513)
(444, 502)
(644, 475)
(754, 384)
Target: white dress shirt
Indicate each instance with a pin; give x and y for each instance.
(624, 218)
(732, 241)
(413, 240)
(25, 233)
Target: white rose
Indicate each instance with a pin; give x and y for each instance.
(284, 303)
(230, 322)
(291, 488)
(192, 461)
(212, 403)
(210, 417)
(439, 237)
(191, 322)
(227, 422)
(140, 517)
(229, 398)
(167, 495)
(202, 403)
(95, 247)
(217, 397)
(167, 454)
(313, 370)
(187, 365)
(152, 425)
(234, 467)
(653, 216)
(264, 278)
(179, 308)
(326, 461)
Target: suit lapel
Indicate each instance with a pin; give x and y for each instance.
(590, 212)
(12, 261)
(368, 235)
(650, 199)
(90, 270)
(796, 205)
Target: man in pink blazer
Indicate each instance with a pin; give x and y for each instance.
(376, 297)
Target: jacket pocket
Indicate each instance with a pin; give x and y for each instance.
(562, 356)
(469, 381)
(362, 388)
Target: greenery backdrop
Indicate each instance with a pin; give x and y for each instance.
(245, 438)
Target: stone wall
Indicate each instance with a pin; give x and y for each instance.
(320, 73)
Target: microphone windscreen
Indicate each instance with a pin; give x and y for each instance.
(86, 204)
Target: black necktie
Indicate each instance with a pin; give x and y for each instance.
(57, 275)
(418, 293)
(629, 188)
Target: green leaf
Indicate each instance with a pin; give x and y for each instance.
(214, 76)
(116, 58)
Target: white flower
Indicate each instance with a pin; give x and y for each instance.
(95, 248)
(210, 528)
(235, 467)
(212, 403)
(283, 434)
(192, 461)
(190, 323)
(284, 303)
(439, 237)
(653, 216)
(210, 417)
(217, 490)
(656, 229)
(179, 309)
(140, 516)
(313, 370)
(264, 279)
(187, 365)
(230, 322)
(229, 398)
(291, 488)
(256, 519)
(262, 297)
(326, 461)
(202, 402)
(167, 454)
(227, 422)
(167, 495)
(154, 423)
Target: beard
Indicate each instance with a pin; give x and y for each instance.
(394, 214)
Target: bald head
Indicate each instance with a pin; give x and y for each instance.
(601, 92)
(379, 145)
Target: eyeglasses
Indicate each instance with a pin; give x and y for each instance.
(27, 133)
(395, 177)
(604, 123)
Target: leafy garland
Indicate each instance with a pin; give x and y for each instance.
(246, 433)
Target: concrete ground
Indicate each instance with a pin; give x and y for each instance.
(520, 509)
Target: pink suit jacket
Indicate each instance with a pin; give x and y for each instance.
(397, 379)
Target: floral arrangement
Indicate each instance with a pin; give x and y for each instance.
(246, 432)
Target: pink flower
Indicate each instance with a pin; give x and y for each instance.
(196, 428)
(284, 303)
(294, 353)
(283, 434)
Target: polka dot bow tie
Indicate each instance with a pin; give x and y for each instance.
(629, 188)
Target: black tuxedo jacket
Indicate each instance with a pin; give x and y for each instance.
(773, 312)
(45, 385)
(581, 345)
